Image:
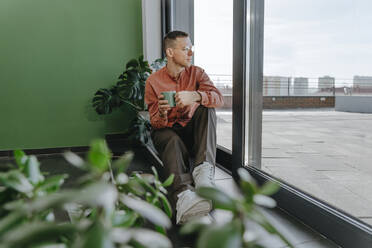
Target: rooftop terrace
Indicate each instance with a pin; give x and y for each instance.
(320, 151)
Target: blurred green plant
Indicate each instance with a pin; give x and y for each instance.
(107, 208)
(244, 210)
(25, 183)
(129, 91)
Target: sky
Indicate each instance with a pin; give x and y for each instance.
(308, 38)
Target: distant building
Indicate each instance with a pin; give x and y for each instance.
(300, 86)
(276, 85)
(362, 85)
(362, 81)
(326, 83)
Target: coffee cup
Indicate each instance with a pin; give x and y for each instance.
(169, 96)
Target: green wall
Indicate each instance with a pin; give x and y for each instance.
(54, 55)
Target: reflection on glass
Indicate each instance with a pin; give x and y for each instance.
(213, 26)
(317, 100)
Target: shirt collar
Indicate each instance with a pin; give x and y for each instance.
(173, 78)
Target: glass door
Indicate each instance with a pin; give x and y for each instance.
(213, 36)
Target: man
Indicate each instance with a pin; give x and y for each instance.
(189, 129)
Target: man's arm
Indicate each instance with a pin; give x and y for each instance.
(211, 97)
(157, 119)
(207, 94)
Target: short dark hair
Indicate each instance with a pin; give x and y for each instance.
(171, 37)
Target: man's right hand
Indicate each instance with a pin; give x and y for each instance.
(163, 106)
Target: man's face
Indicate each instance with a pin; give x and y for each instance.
(182, 52)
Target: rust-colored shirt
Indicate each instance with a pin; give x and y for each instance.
(192, 78)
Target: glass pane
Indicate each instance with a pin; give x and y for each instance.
(317, 96)
(213, 26)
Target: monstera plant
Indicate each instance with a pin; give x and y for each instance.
(130, 91)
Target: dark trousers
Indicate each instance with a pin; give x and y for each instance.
(183, 148)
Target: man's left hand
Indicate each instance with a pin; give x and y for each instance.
(186, 98)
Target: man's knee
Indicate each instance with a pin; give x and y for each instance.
(167, 139)
(207, 112)
(162, 137)
(174, 141)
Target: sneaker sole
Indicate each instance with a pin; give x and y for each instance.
(198, 210)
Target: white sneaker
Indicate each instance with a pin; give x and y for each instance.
(204, 175)
(191, 206)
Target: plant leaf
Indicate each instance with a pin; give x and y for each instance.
(99, 155)
(74, 159)
(122, 178)
(149, 238)
(96, 237)
(16, 180)
(226, 236)
(260, 219)
(14, 204)
(124, 218)
(249, 191)
(169, 181)
(120, 235)
(52, 184)
(146, 210)
(122, 163)
(192, 227)
(161, 230)
(20, 158)
(10, 221)
(102, 101)
(135, 188)
(31, 234)
(144, 183)
(269, 188)
(166, 205)
(52, 246)
(155, 173)
(132, 63)
(220, 199)
(264, 201)
(245, 176)
(33, 170)
(98, 194)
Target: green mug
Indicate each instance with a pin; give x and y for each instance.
(169, 96)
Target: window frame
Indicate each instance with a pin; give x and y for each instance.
(340, 227)
(333, 223)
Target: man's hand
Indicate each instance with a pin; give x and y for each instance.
(163, 106)
(185, 98)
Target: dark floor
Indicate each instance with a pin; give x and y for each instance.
(298, 234)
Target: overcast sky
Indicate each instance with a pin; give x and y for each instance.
(309, 38)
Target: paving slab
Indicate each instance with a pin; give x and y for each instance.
(321, 151)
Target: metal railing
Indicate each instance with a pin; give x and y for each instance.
(289, 86)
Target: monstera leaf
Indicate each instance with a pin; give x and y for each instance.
(158, 64)
(130, 91)
(139, 130)
(105, 100)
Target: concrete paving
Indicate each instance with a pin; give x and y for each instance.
(323, 152)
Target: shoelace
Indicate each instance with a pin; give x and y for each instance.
(200, 171)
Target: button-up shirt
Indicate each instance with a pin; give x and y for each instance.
(192, 78)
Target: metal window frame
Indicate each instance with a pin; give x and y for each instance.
(340, 227)
(169, 9)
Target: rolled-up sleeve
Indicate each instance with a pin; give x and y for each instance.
(211, 97)
(151, 100)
